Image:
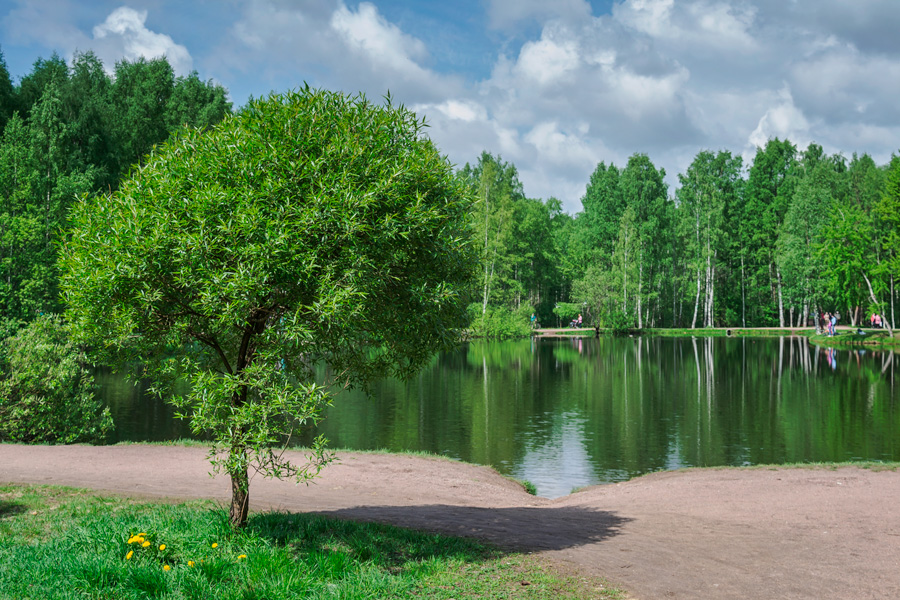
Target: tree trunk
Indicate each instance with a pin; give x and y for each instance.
(240, 497)
(743, 296)
(487, 211)
(696, 300)
(885, 322)
(892, 300)
(780, 299)
(640, 290)
(625, 277)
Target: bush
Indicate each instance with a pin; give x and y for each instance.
(501, 322)
(620, 323)
(567, 311)
(46, 389)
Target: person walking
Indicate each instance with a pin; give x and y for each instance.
(832, 324)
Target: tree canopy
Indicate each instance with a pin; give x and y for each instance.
(309, 228)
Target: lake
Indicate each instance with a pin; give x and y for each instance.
(567, 413)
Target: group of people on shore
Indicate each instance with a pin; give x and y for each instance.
(829, 322)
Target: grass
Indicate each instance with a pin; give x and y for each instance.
(728, 331)
(871, 465)
(60, 543)
(876, 338)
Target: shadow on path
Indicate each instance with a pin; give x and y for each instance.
(519, 528)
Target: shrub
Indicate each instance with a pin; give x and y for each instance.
(501, 322)
(46, 389)
(620, 323)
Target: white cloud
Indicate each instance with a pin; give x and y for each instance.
(384, 44)
(124, 34)
(547, 61)
(652, 17)
(784, 121)
(328, 44)
(459, 110)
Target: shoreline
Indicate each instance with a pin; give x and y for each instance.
(846, 335)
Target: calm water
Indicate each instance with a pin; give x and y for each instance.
(569, 413)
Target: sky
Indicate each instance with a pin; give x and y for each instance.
(552, 86)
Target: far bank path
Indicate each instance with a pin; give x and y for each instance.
(711, 533)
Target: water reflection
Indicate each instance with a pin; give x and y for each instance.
(574, 412)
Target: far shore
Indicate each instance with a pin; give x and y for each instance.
(846, 335)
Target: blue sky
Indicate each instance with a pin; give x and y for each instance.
(552, 86)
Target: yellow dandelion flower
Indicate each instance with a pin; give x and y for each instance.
(167, 568)
(142, 534)
(145, 544)
(215, 545)
(129, 555)
(242, 556)
(190, 563)
(130, 540)
(162, 547)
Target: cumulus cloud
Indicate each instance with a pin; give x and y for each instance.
(124, 34)
(329, 44)
(368, 34)
(782, 120)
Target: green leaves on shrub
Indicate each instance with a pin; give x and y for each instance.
(46, 390)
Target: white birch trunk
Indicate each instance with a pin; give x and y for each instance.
(780, 300)
(640, 289)
(886, 322)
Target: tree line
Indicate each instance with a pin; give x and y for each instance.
(766, 244)
(792, 235)
(74, 129)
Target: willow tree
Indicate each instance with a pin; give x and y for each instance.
(309, 228)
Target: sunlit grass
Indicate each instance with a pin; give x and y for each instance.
(61, 544)
(871, 338)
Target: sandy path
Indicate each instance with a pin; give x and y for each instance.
(785, 533)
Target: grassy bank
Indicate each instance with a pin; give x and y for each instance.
(874, 338)
(729, 332)
(60, 543)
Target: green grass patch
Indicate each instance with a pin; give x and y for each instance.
(729, 332)
(874, 338)
(60, 543)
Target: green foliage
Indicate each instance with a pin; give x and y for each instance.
(68, 131)
(566, 311)
(888, 213)
(500, 322)
(47, 390)
(7, 93)
(517, 239)
(598, 225)
(619, 323)
(309, 228)
(708, 187)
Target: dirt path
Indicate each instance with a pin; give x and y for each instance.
(785, 533)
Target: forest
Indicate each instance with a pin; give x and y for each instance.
(69, 130)
(793, 233)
